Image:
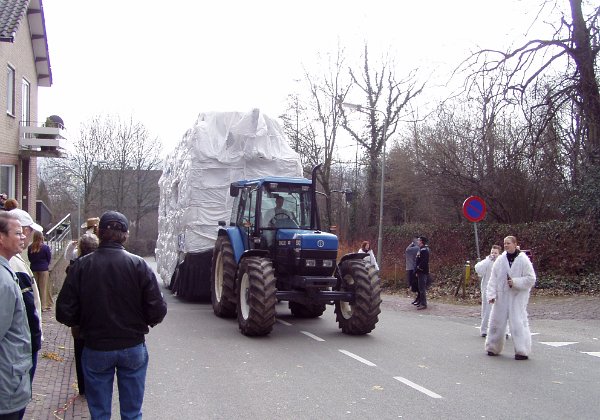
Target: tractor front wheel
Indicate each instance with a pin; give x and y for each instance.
(256, 296)
(359, 316)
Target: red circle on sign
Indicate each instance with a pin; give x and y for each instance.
(474, 208)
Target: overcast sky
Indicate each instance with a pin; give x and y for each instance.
(165, 62)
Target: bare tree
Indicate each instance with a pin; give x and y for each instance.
(385, 101)
(573, 48)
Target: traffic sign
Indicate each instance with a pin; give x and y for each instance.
(474, 208)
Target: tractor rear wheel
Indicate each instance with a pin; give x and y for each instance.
(222, 285)
(256, 296)
(359, 316)
(306, 311)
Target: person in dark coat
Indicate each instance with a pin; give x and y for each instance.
(114, 297)
(422, 271)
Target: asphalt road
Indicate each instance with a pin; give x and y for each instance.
(413, 365)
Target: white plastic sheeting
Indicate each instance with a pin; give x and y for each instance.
(220, 148)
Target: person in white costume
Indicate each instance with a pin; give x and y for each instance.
(366, 248)
(484, 271)
(508, 290)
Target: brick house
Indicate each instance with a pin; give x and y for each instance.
(24, 136)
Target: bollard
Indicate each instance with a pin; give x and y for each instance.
(467, 272)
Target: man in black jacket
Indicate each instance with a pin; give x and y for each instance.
(422, 271)
(113, 296)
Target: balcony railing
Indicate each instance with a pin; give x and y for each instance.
(43, 139)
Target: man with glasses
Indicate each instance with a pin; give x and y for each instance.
(15, 338)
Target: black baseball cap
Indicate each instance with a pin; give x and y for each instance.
(109, 218)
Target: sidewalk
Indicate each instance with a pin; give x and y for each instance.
(55, 394)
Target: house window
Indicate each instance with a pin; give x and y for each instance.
(26, 101)
(7, 180)
(10, 90)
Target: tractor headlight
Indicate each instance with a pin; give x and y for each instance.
(311, 263)
(327, 263)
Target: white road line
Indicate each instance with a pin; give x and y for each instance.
(558, 343)
(282, 322)
(592, 353)
(360, 359)
(314, 337)
(417, 387)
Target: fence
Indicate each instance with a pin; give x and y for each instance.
(59, 236)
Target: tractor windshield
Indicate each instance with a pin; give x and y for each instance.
(286, 206)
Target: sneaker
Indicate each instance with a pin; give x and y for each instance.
(421, 307)
(416, 302)
(520, 357)
(492, 353)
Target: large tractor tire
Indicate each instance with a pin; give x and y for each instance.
(256, 296)
(222, 285)
(360, 316)
(306, 311)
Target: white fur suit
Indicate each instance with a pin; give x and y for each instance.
(511, 303)
(484, 271)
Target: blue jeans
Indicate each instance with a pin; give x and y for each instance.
(99, 369)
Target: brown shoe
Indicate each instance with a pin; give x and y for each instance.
(520, 357)
(421, 307)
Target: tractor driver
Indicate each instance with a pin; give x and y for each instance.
(277, 216)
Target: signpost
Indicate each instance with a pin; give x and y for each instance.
(474, 210)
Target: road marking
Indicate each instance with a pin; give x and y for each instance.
(282, 322)
(558, 343)
(592, 353)
(360, 359)
(417, 387)
(314, 337)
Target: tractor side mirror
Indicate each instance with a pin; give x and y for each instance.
(234, 191)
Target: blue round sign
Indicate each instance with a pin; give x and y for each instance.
(474, 208)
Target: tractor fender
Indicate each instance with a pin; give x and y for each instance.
(235, 237)
(353, 256)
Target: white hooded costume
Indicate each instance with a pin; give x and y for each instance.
(511, 303)
(484, 271)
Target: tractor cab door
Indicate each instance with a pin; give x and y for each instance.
(244, 215)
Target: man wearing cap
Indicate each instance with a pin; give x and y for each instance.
(29, 289)
(113, 296)
(15, 339)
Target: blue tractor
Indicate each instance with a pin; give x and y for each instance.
(274, 250)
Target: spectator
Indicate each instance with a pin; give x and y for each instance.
(3, 198)
(410, 254)
(15, 338)
(11, 204)
(90, 226)
(422, 271)
(365, 248)
(40, 255)
(508, 290)
(484, 271)
(31, 296)
(87, 244)
(113, 296)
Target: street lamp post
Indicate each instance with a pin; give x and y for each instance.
(360, 108)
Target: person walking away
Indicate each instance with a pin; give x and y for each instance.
(484, 271)
(114, 297)
(365, 248)
(410, 254)
(29, 289)
(87, 244)
(40, 255)
(422, 271)
(508, 290)
(15, 338)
